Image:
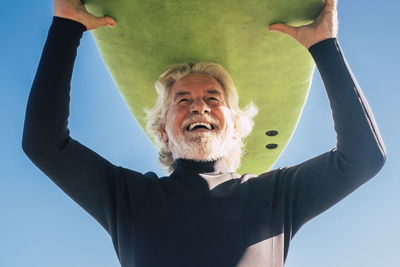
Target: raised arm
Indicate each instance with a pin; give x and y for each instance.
(90, 180)
(315, 185)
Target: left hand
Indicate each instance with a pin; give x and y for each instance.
(323, 27)
(76, 10)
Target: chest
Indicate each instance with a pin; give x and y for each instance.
(208, 231)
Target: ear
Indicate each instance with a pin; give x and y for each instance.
(235, 130)
(163, 133)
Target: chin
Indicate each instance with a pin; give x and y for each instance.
(200, 148)
(201, 152)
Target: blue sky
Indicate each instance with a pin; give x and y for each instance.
(41, 226)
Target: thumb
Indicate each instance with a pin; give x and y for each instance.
(281, 27)
(96, 22)
(106, 21)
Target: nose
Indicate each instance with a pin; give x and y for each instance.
(199, 107)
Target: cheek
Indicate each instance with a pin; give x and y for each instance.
(175, 119)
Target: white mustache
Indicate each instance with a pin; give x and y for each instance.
(203, 118)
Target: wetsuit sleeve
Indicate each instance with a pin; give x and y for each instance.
(313, 186)
(93, 182)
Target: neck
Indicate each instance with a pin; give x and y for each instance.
(192, 166)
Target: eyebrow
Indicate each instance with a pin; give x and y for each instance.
(213, 91)
(179, 94)
(183, 93)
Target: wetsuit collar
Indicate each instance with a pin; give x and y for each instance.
(183, 167)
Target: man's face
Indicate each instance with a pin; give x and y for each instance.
(198, 124)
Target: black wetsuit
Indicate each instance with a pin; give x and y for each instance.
(201, 215)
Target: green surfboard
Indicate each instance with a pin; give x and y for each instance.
(270, 68)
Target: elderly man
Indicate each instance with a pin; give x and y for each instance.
(203, 213)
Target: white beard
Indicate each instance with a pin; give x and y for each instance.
(203, 146)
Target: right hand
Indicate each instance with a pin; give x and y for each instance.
(323, 27)
(76, 10)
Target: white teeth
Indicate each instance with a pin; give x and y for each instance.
(207, 125)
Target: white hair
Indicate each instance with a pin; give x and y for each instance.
(242, 117)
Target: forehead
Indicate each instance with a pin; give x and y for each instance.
(196, 83)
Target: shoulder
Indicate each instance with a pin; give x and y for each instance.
(263, 183)
(134, 179)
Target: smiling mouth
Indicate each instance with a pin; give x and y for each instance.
(199, 125)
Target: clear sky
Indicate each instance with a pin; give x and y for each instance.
(40, 226)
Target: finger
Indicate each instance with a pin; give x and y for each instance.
(109, 21)
(331, 3)
(106, 21)
(281, 27)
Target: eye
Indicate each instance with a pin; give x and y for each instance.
(213, 99)
(183, 100)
